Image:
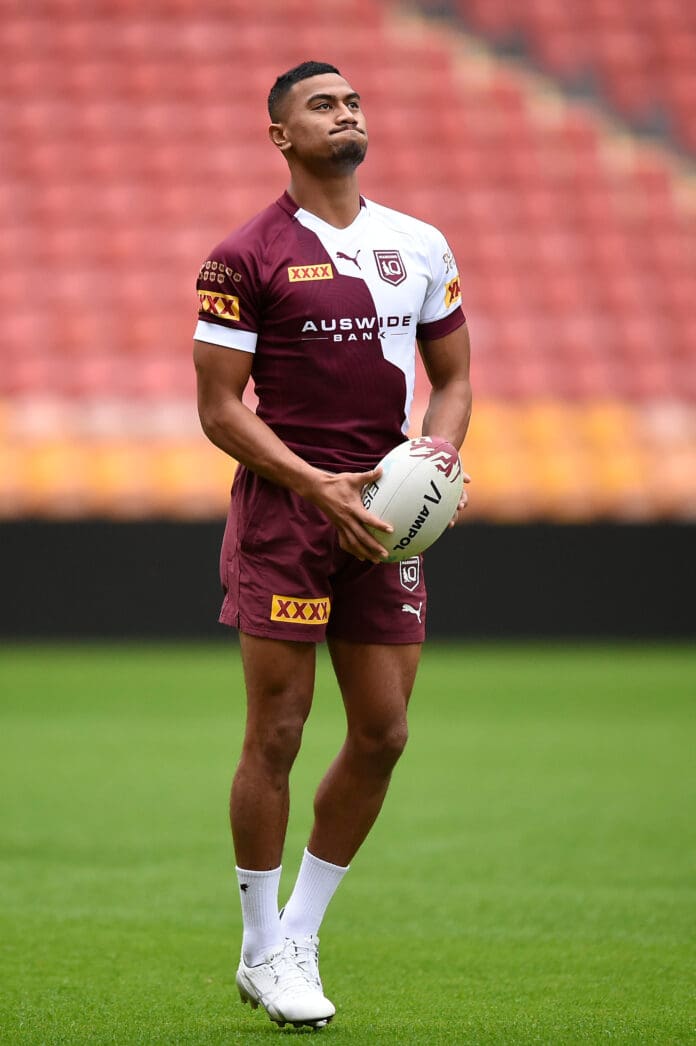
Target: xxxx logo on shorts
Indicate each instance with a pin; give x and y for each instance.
(226, 306)
(301, 611)
(304, 273)
(453, 292)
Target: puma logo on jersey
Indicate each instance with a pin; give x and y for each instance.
(408, 609)
(347, 257)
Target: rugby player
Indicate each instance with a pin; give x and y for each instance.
(320, 299)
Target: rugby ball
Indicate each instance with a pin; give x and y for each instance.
(418, 493)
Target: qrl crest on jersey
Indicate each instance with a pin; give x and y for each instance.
(390, 267)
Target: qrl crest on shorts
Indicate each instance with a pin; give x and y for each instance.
(390, 267)
(409, 571)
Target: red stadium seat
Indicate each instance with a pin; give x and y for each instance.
(635, 53)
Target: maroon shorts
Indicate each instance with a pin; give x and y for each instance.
(285, 576)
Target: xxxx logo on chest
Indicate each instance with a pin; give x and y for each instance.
(300, 611)
(305, 273)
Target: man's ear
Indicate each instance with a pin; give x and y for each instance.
(276, 132)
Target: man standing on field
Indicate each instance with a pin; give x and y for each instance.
(320, 299)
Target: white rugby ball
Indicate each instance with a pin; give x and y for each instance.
(418, 493)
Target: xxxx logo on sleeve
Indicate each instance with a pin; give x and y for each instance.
(226, 306)
(304, 273)
(453, 292)
(301, 611)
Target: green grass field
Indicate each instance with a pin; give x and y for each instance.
(531, 879)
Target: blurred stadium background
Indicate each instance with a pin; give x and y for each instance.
(554, 142)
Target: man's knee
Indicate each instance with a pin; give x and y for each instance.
(275, 743)
(380, 747)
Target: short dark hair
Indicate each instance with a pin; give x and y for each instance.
(293, 76)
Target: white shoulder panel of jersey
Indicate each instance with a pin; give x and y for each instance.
(404, 224)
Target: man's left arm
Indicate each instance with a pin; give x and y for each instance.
(446, 362)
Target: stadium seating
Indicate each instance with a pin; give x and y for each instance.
(135, 139)
(640, 58)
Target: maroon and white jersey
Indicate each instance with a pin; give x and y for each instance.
(332, 316)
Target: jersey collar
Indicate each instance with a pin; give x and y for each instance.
(314, 221)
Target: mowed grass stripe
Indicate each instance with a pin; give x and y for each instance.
(530, 879)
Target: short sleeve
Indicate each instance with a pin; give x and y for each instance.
(442, 309)
(228, 310)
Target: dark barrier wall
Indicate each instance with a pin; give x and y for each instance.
(159, 579)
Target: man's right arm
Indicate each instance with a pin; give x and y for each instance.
(222, 375)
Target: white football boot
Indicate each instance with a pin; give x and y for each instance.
(306, 954)
(288, 991)
(307, 957)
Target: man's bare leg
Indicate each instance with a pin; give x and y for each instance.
(376, 683)
(280, 683)
(279, 680)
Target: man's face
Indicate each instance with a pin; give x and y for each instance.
(323, 123)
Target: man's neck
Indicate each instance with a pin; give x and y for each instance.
(334, 200)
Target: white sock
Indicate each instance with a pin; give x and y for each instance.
(258, 892)
(317, 881)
